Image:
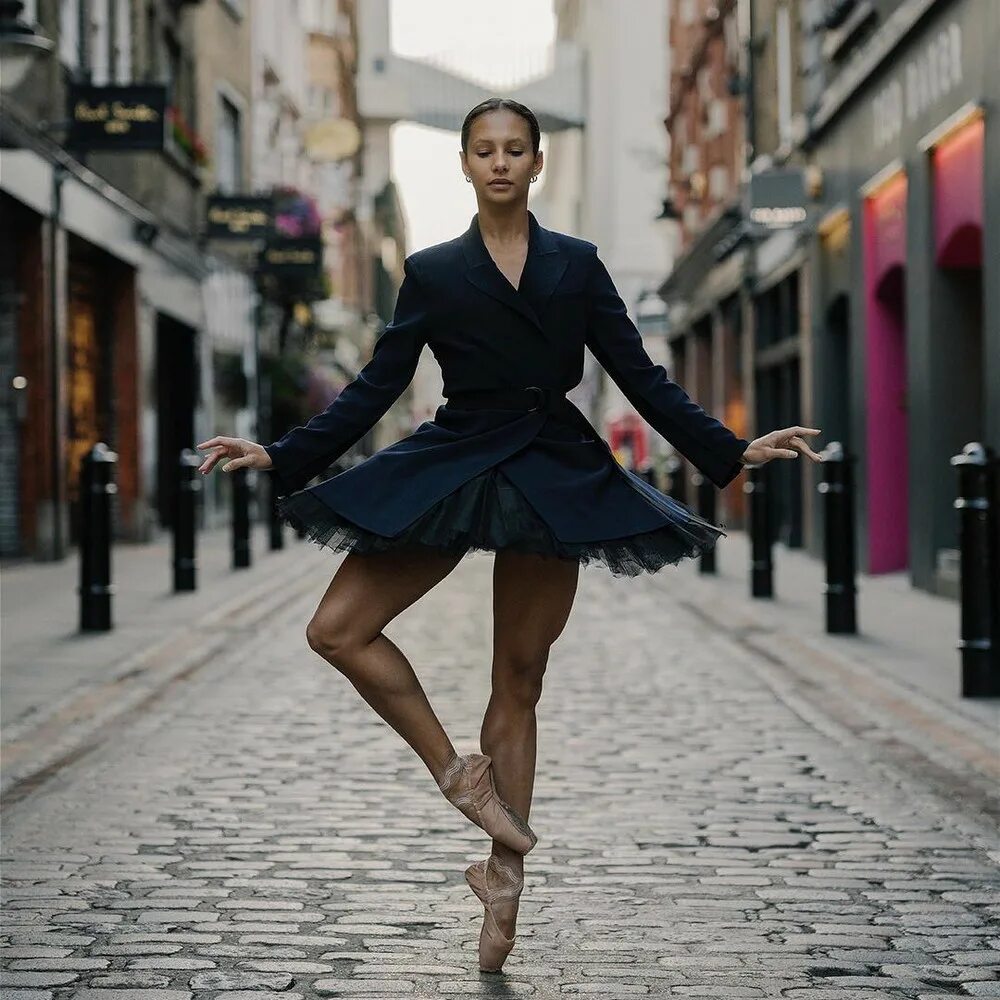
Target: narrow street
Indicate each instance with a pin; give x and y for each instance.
(703, 831)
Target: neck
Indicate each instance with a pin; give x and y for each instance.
(504, 224)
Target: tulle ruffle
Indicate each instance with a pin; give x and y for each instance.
(489, 513)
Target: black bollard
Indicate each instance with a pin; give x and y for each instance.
(276, 527)
(674, 467)
(185, 521)
(761, 563)
(980, 570)
(97, 487)
(837, 489)
(705, 492)
(241, 519)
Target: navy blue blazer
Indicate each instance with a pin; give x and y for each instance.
(485, 334)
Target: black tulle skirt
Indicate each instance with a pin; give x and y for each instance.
(489, 513)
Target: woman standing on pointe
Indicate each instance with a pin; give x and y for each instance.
(508, 464)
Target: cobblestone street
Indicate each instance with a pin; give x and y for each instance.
(703, 830)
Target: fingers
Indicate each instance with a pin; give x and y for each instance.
(212, 460)
(215, 442)
(805, 449)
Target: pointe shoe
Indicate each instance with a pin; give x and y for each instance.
(491, 880)
(468, 785)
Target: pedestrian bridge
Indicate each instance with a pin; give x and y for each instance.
(395, 88)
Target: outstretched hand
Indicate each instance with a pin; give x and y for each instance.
(244, 454)
(785, 443)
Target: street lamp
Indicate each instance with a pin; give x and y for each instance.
(20, 45)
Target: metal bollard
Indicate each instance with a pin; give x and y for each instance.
(96, 489)
(980, 570)
(185, 560)
(705, 492)
(673, 466)
(241, 519)
(761, 563)
(276, 527)
(838, 539)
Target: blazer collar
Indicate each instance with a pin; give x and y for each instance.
(543, 267)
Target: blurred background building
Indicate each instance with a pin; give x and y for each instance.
(794, 197)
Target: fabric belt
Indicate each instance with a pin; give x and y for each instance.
(528, 399)
(531, 399)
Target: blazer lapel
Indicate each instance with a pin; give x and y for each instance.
(544, 265)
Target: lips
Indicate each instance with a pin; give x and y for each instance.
(500, 183)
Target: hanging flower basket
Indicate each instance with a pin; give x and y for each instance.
(186, 138)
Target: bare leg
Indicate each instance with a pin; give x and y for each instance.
(366, 593)
(532, 599)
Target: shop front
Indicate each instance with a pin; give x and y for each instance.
(906, 308)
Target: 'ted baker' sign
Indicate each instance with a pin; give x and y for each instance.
(925, 78)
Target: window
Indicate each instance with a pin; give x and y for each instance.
(152, 46)
(718, 183)
(99, 16)
(121, 41)
(69, 32)
(171, 68)
(29, 13)
(228, 148)
(717, 118)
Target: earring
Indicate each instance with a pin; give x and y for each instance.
(468, 178)
(534, 177)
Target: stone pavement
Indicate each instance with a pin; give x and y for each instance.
(61, 687)
(704, 829)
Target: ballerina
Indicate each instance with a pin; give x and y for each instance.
(508, 465)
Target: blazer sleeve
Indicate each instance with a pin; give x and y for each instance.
(307, 450)
(617, 345)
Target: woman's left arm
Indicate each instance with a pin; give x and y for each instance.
(617, 345)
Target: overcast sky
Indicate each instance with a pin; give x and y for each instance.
(486, 38)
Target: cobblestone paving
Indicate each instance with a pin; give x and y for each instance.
(264, 833)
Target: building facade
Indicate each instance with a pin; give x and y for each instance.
(906, 259)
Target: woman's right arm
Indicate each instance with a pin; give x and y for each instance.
(307, 450)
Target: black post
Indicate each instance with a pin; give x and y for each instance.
(276, 529)
(837, 489)
(96, 489)
(761, 564)
(706, 508)
(980, 570)
(674, 468)
(185, 521)
(241, 519)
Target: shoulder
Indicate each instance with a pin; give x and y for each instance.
(429, 259)
(574, 244)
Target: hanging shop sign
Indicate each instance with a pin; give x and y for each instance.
(117, 117)
(238, 217)
(776, 199)
(292, 259)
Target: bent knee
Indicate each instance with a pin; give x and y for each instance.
(334, 639)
